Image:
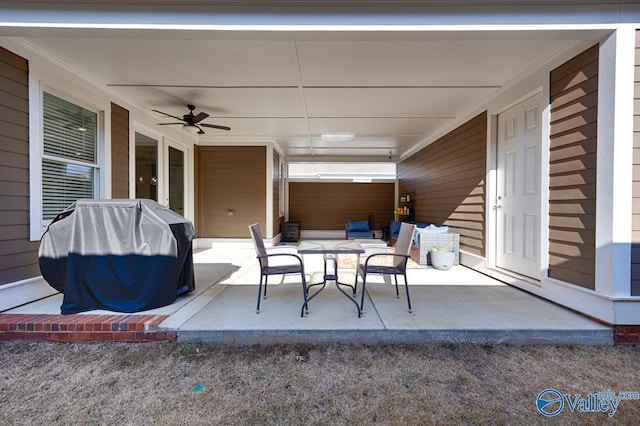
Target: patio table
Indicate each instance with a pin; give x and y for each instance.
(331, 249)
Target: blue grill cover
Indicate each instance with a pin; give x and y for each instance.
(118, 255)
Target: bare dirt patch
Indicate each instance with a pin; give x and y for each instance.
(169, 383)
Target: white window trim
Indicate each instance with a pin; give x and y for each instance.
(36, 152)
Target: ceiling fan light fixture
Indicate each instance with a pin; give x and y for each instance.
(191, 129)
(337, 137)
(191, 122)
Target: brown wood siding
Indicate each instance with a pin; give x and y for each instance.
(635, 232)
(572, 169)
(448, 180)
(328, 205)
(231, 178)
(196, 189)
(119, 152)
(18, 255)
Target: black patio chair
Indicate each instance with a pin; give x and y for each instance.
(398, 265)
(266, 269)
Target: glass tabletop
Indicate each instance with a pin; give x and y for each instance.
(330, 246)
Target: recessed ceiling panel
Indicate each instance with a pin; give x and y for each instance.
(418, 63)
(293, 141)
(357, 152)
(264, 127)
(178, 62)
(224, 102)
(298, 151)
(393, 102)
(389, 142)
(376, 126)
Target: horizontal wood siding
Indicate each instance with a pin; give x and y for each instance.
(635, 236)
(572, 170)
(448, 179)
(18, 255)
(231, 178)
(328, 205)
(196, 189)
(119, 152)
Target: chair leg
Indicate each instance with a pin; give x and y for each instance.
(364, 287)
(355, 285)
(395, 276)
(266, 277)
(305, 306)
(406, 287)
(259, 294)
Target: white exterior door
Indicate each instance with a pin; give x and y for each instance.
(518, 194)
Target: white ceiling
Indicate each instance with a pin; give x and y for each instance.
(392, 90)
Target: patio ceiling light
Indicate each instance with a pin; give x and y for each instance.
(337, 137)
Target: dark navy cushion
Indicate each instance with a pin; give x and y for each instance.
(357, 225)
(394, 229)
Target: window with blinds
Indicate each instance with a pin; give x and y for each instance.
(69, 162)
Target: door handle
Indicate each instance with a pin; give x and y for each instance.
(497, 206)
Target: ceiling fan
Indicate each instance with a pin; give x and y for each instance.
(192, 122)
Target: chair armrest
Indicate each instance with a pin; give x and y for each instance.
(366, 262)
(282, 249)
(263, 256)
(298, 258)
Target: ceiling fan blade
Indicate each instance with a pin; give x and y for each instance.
(168, 115)
(215, 126)
(200, 131)
(201, 116)
(166, 124)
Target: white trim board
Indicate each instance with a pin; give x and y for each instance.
(25, 291)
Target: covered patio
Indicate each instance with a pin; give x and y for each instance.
(513, 125)
(455, 306)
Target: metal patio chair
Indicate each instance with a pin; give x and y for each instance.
(266, 269)
(398, 266)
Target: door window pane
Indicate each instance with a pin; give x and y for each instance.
(146, 167)
(176, 180)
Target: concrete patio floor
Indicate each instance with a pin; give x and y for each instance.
(459, 305)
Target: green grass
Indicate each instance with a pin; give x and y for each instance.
(186, 384)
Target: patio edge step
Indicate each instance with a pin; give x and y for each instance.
(484, 337)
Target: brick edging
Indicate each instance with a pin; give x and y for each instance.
(626, 334)
(83, 328)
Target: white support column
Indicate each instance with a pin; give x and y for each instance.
(490, 189)
(105, 162)
(132, 157)
(35, 156)
(614, 163)
(269, 192)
